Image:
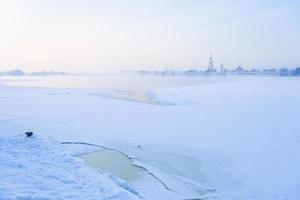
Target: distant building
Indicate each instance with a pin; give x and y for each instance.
(239, 69)
(210, 64)
(297, 72)
(284, 72)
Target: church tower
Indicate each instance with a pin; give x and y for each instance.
(210, 64)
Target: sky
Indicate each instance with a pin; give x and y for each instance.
(110, 36)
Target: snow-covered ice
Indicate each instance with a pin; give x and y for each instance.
(232, 138)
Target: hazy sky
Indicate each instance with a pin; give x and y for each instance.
(113, 35)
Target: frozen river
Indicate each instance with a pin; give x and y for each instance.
(202, 137)
(123, 86)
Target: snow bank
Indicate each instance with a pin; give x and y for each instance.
(34, 168)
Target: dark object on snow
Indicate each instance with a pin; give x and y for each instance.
(138, 146)
(29, 134)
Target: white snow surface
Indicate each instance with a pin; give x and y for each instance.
(253, 124)
(234, 138)
(40, 169)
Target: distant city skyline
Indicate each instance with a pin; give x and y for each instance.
(110, 36)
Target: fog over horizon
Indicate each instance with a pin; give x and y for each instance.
(112, 36)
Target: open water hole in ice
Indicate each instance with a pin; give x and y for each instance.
(115, 162)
